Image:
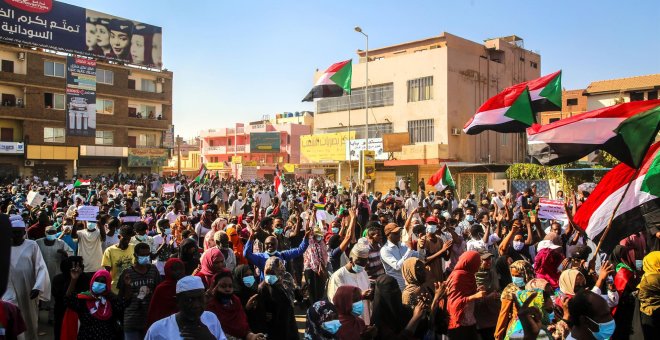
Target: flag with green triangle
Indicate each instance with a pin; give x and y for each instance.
(442, 179)
(334, 82)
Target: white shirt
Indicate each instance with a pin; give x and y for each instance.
(158, 240)
(236, 207)
(168, 329)
(402, 184)
(411, 204)
(171, 216)
(343, 277)
(392, 255)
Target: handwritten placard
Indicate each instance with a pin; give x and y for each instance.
(87, 212)
(552, 209)
(168, 188)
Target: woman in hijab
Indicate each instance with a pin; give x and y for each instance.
(649, 295)
(348, 301)
(189, 254)
(204, 226)
(217, 225)
(163, 302)
(502, 270)
(61, 284)
(245, 288)
(322, 322)
(520, 272)
(274, 311)
(462, 294)
(212, 263)
(413, 271)
(625, 282)
(180, 225)
(392, 319)
(237, 245)
(542, 301)
(546, 263)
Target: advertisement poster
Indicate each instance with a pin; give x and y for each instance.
(80, 97)
(62, 27)
(12, 147)
(264, 142)
(356, 146)
(146, 157)
(324, 147)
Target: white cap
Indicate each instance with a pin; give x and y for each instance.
(17, 221)
(188, 283)
(546, 244)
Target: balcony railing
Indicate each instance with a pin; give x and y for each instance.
(379, 95)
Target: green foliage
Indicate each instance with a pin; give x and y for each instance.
(528, 171)
(607, 160)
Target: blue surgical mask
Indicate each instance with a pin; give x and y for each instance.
(431, 228)
(168, 231)
(248, 281)
(144, 259)
(639, 264)
(551, 316)
(331, 326)
(51, 237)
(141, 237)
(278, 231)
(335, 230)
(605, 329)
(319, 238)
(469, 218)
(518, 281)
(518, 245)
(98, 287)
(357, 308)
(91, 226)
(358, 268)
(270, 279)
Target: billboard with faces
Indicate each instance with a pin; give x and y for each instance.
(62, 27)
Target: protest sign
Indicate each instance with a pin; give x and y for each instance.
(87, 213)
(168, 188)
(34, 199)
(552, 209)
(131, 219)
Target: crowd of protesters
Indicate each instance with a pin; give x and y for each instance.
(170, 258)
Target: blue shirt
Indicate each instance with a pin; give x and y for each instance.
(69, 241)
(259, 259)
(393, 255)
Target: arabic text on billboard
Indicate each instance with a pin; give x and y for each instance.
(146, 157)
(324, 147)
(62, 27)
(80, 97)
(264, 142)
(357, 145)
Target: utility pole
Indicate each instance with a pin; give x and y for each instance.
(179, 140)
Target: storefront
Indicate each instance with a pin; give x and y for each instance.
(101, 160)
(11, 157)
(146, 160)
(48, 161)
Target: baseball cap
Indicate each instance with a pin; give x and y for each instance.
(485, 254)
(392, 228)
(432, 219)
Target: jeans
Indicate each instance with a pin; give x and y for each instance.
(134, 335)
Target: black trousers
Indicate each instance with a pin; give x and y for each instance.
(315, 286)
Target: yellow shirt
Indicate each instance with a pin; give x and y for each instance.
(118, 260)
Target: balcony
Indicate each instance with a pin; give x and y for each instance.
(215, 150)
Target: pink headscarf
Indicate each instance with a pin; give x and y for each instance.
(217, 225)
(206, 271)
(545, 266)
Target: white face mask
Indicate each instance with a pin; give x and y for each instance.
(184, 223)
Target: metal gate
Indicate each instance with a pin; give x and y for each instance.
(471, 182)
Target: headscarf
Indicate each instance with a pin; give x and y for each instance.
(461, 283)
(217, 225)
(276, 264)
(649, 293)
(525, 270)
(411, 291)
(567, 281)
(206, 271)
(240, 289)
(623, 257)
(190, 260)
(97, 305)
(545, 266)
(537, 302)
(636, 242)
(236, 243)
(651, 263)
(502, 270)
(317, 314)
(388, 311)
(351, 325)
(179, 228)
(231, 314)
(163, 302)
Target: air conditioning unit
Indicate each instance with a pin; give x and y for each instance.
(455, 131)
(160, 80)
(21, 56)
(29, 162)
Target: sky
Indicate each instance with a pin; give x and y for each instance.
(235, 61)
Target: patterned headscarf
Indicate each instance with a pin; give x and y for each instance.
(525, 270)
(317, 314)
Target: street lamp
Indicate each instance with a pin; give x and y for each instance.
(366, 90)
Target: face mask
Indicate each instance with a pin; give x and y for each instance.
(91, 226)
(358, 308)
(270, 279)
(518, 281)
(469, 218)
(66, 228)
(357, 268)
(59, 220)
(605, 330)
(319, 238)
(98, 287)
(335, 230)
(248, 281)
(141, 237)
(278, 231)
(50, 237)
(518, 246)
(168, 231)
(184, 223)
(143, 259)
(153, 195)
(431, 228)
(331, 327)
(638, 264)
(551, 316)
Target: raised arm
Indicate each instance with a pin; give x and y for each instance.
(349, 233)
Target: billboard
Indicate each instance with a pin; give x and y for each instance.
(62, 27)
(146, 157)
(354, 148)
(324, 147)
(80, 97)
(264, 142)
(394, 142)
(368, 164)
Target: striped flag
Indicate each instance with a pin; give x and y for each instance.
(277, 181)
(81, 182)
(442, 179)
(333, 82)
(639, 209)
(201, 173)
(514, 109)
(626, 131)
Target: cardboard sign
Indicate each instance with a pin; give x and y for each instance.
(87, 213)
(552, 209)
(34, 199)
(131, 219)
(168, 188)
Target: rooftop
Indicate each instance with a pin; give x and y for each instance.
(624, 84)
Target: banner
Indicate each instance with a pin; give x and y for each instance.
(264, 142)
(324, 147)
(289, 167)
(33, 199)
(368, 164)
(168, 188)
(66, 28)
(12, 147)
(357, 145)
(168, 137)
(146, 157)
(87, 213)
(237, 159)
(80, 97)
(552, 209)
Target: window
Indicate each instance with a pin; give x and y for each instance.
(6, 135)
(54, 101)
(131, 84)
(636, 96)
(379, 95)
(53, 135)
(652, 95)
(552, 120)
(8, 99)
(148, 85)
(7, 66)
(420, 130)
(53, 69)
(504, 138)
(571, 101)
(148, 111)
(103, 137)
(420, 89)
(105, 76)
(105, 106)
(533, 64)
(144, 140)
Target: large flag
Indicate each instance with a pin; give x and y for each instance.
(514, 109)
(333, 82)
(201, 173)
(81, 182)
(442, 179)
(639, 209)
(626, 131)
(277, 181)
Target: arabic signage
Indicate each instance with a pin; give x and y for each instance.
(168, 137)
(354, 148)
(80, 97)
(146, 157)
(62, 27)
(368, 164)
(264, 142)
(12, 147)
(324, 147)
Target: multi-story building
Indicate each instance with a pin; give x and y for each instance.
(191, 158)
(573, 102)
(430, 88)
(604, 93)
(133, 113)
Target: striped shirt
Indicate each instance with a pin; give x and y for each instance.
(375, 266)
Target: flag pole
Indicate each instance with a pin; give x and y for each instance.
(350, 157)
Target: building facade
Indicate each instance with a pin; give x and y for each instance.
(604, 93)
(573, 102)
(133, 110)
(430, 88)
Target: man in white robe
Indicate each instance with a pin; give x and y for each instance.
(28, 277)
(53, 250)
(354, 274)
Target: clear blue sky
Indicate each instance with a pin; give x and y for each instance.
(238, 60)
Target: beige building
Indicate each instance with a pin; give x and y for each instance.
(573, 102)
(622, 90)
(430, 88)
